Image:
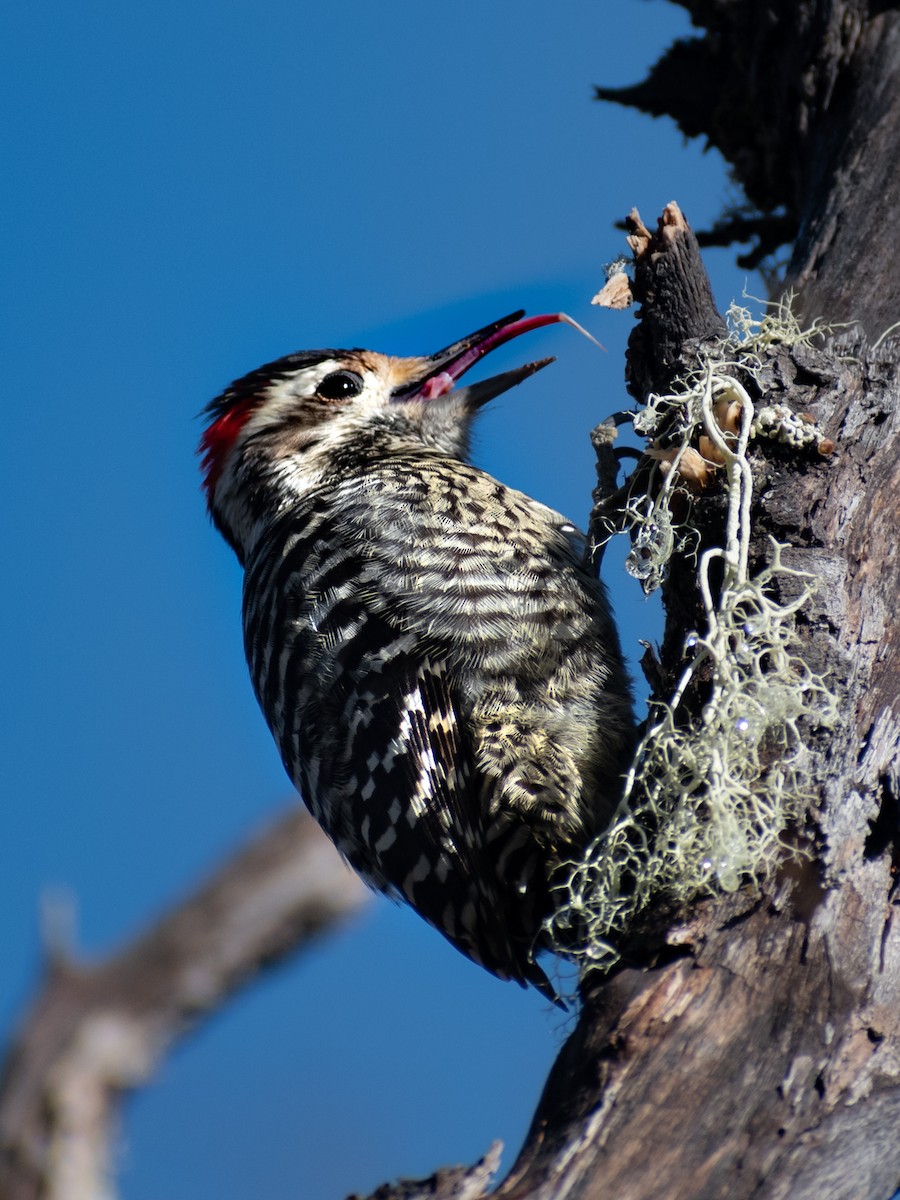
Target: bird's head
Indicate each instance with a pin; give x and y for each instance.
(286, 428)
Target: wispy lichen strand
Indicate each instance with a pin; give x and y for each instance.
(707, 802)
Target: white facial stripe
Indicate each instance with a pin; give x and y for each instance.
(284, 395)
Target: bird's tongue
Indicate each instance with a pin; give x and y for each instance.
(458, 358)
(437, 385)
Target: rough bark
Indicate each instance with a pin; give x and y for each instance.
(750, 1047)
(764, 1060)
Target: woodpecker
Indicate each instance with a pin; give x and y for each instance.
(435, 658)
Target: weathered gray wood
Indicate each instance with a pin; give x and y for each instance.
(766, 1061)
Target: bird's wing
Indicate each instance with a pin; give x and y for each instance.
(412, 798)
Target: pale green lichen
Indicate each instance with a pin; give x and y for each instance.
(778, 326)
(707, 804)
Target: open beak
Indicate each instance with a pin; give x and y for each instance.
(442, 370)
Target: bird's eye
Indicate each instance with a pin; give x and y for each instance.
(340, 385)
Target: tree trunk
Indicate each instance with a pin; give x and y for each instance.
(765, 1059)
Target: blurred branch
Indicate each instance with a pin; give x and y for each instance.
(95, 1031)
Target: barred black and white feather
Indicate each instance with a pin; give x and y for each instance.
(437, 664)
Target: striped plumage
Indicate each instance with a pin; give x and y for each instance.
(438, 666)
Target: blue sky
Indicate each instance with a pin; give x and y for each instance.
(190, 191)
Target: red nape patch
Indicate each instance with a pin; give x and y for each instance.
(218, 440)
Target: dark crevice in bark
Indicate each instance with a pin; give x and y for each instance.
(885, 828)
